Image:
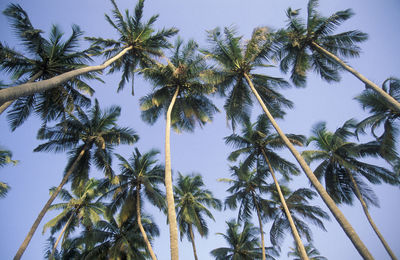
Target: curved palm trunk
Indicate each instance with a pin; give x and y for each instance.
(46, 207)
(193, 244)
(173, 227)
(4, 106)
(61, 234)
(139, 221)
(261, 227)
(296, 236)
(366, 81)
(27, 89)
(370, 220)
(346, 226)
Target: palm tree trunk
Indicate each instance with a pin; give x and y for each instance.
(139, 220)
(370, 220)
(61, 234)
(296, 236)
(346, 226)
(173, 228)
(366, 81)
(35, 225)
(27, 89)
(4, 106)
(193, 244)
(261, 226)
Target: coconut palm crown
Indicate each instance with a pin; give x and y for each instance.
(144, 41)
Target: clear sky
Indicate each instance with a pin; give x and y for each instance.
(204, 150)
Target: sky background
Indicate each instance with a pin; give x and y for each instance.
(204, 150)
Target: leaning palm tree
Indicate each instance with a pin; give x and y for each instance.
(312, 253)
(179, 94)
(382, 113)
(191, 201)
(311, 44)
(43, 59)
(300, 210)
(140, 176)
(137, 43)
(5, 158)
(235, 72)
(98, 133)
(247, 188)
(80, 208)
(343, 171)
(242, 244)
(256, 143)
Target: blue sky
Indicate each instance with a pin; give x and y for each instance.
(204, 150)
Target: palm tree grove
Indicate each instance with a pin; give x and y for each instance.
(149, 129)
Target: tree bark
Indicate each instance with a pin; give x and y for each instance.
(139, 220)
(296, 236)
(370, 220)
(346, 226)
(35, 225)
(366, 81)
(261, 226)
(4, 106)
(61, 234)
(193, 244)
(27, 89)
(173, 228)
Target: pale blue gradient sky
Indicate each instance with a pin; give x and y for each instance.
(204, 151)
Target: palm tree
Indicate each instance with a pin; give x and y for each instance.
(5, 158)
(137, 42)
(99, 134)
(115, 238)
(311, 44)
(191, 201)
(178, 92)
(242, 245)
(246, 188)
(343, 171)
(44, 59)
(257, 143)
(79, 208)
(298, 205)
(312, 252)
(141, 170)
(382, 113)
(235, 67)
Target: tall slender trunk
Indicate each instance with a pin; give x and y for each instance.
(261, 226)
(346, 226)
(193, 244)
(296, 236)
(27, 89)
(61, 234)
(370, 220)
(46, 207)
(4, 106)
(173, 227)
(139, 221)
(366, 81)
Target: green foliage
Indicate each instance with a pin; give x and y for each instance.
(146, 43)
(5, 158)
(294, 45)
(191, 202)
(242, 244)
(312, 253)
(339, 158)
(44, 59)
(96, 134)
(300, 209)
(235, 59)
(183, 71)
